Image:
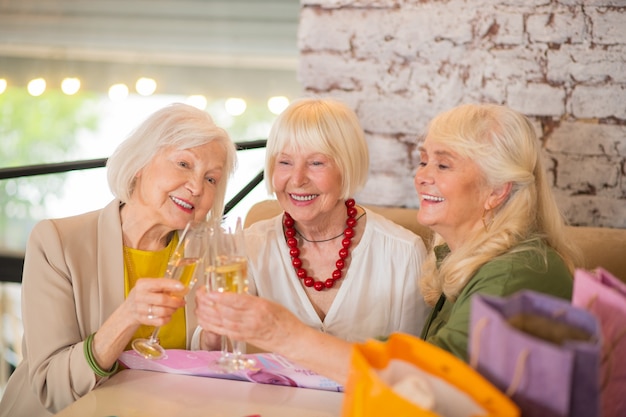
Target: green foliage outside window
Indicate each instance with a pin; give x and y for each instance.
(36, 130)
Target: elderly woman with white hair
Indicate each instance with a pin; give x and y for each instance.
(88, 287)
(326, 265)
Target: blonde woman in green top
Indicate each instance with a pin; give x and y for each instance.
(483, 191)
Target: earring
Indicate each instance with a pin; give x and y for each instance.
(487, 223)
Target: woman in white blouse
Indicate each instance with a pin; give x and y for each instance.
(326, 266)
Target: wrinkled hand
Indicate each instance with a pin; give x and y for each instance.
(153, 300)
(247, 318)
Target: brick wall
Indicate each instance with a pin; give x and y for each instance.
(398, 63)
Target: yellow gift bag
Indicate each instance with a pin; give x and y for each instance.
(406, 376)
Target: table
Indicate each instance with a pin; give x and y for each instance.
(134, 393)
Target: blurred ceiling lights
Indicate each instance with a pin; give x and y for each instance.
(211, 48)
(146, 87)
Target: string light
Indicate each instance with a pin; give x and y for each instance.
(198, 101)
(235, 106)
(70, 85)
(145, 86)
(36, 87)
(118, 92)
(277, 104)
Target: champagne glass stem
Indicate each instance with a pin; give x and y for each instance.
(224, 345)
(238, 348)
(154, 337)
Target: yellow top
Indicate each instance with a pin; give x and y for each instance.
(140, 263)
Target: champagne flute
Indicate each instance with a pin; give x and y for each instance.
(184, 265)
(228, 272)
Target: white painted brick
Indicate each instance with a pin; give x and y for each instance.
(560, 27)
(584, 210)
(391, 78)
(599, 101)
(434, 21)
(595, 175)
(536, 99)
(518, 63)
(390, 115)
(388, 153)
(609, 25)
(582, 64)
(510, 28)
(492, 91)
(389, 190)
(587, 138)
(383, 34)
(594, 3)
(525, 3)
(327, 71)
(322, 31)
(377, 33)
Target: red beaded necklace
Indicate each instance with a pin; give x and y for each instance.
(344, 252)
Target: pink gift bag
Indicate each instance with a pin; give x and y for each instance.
(604, 296)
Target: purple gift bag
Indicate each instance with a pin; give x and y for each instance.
(604, 296)
(540, 350)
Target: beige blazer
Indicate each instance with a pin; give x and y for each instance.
(73, 280)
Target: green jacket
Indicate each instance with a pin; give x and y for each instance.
(448, 324)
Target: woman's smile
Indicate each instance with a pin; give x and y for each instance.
(183, 204)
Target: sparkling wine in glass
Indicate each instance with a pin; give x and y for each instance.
(229, 273)
(185, 265)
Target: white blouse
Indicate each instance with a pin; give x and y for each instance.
(379, 294)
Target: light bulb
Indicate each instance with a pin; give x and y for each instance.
(198, 101)
(277, 104)
(235, 106)
(118, 92)
(70, 85)
(146, 86)
(36, 87)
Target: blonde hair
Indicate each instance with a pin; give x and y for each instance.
(504, 146)
(322, 125)
(179, 125)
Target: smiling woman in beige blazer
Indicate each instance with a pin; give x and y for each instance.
(84, 294)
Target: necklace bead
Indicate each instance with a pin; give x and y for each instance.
(344, 252)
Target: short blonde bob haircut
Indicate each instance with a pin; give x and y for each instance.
(326, 126)
(179, 125)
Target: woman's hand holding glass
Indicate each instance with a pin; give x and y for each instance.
(263, 323)
(185, 265)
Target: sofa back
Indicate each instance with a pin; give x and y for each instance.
(604, 247)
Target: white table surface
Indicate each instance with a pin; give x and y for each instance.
(134, 393)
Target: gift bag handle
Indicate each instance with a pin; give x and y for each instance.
(520, 364)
